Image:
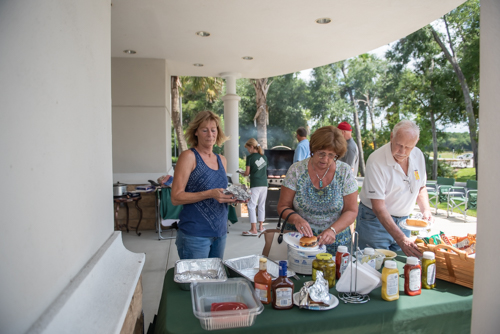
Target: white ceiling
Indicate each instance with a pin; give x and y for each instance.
(281, 35)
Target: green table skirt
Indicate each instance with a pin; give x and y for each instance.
(445, 309)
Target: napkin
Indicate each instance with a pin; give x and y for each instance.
(367, 279)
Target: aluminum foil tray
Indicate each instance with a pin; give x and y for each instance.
(248, 266)
(199, 270)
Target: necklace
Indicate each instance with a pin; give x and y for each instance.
(321, 179)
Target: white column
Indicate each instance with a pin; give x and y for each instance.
(486, 303)
(231, 123)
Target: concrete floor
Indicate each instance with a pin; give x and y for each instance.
(162, 254)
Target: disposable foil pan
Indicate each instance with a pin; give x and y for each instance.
(248, 266)
(199, 270)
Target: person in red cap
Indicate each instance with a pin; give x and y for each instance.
(352, 155)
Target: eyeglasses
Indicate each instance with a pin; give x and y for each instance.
(330, 156)
(407, 180)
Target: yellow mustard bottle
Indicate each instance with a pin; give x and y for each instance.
(429, 270)
(390, 281)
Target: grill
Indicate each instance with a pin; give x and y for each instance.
(279, 159)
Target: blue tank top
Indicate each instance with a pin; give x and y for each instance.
(207, 218)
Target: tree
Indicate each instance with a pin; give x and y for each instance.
(287, 108)
(261, 116)
(426, 88)
(464, 33)
(212, 88)
(349, 88)
(367, 70)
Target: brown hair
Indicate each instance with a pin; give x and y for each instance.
(328, 138)
(254, 144)
(302, 132)
(204, 116)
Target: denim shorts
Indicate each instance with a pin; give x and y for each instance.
(191, 247)
(372, 232)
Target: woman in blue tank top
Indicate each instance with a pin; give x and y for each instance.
(200, 178)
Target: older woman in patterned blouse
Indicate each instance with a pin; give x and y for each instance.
(323, 191)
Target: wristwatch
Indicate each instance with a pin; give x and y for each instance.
(333, 229)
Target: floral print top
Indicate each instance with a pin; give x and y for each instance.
(321, 207)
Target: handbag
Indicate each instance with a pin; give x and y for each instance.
(273, 247)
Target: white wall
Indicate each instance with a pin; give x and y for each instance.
(141, 119)
(486, 303)
(55, 149)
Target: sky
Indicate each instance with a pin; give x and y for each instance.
(380, 52)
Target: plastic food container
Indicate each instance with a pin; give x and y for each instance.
(236, 290)
(248, 266)
(199, 270)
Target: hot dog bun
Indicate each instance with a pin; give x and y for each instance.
(416, 222)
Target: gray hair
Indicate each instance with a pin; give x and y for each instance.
(407, 125)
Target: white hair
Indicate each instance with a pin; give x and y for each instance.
(407, 125)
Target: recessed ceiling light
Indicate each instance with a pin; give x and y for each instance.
(198, 65)
(324, 20)
(247, 58)
(129, 52)
(203, 33)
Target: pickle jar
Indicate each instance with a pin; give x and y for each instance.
(325, 263)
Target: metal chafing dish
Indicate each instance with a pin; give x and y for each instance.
(198, 270)
(248, 266)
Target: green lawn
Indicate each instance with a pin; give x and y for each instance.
(470, 212)
(462, 175)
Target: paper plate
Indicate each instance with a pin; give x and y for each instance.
(318, 307)
(293, 239)
(413, 228)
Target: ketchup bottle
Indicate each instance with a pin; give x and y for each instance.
(263, 282)
(341, 260)
(413, 272)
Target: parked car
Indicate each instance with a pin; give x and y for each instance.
(466, 156)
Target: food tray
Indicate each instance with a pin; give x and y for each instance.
(455, 267)
(197, 270)
(248, 266)
(238, 290)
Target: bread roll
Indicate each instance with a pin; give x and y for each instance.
(416, 222)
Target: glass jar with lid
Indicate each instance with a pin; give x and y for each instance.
(324, 262)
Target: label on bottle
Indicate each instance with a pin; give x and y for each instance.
(284, 296)
(392, 284)
(261, 290)
(415, 280)
(372, 263)
(343, 264)
(431, 274)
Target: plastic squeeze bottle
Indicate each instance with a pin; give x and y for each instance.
(282, 289)
(341, 260)
(263, 282)
(429, 270)
(413, 273)
(390, 281)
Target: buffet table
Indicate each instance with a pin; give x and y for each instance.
(446, 309)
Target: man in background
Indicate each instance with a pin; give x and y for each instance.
(302, 151)
(352, 155)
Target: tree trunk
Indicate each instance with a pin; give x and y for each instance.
(435, 147)
(372, 118)
(358, 137)
(466, 93)
(176, 116)
(261, 116)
